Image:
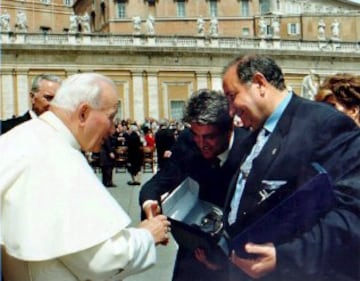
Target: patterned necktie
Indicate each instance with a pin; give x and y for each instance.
(244, 172)
(260, 141)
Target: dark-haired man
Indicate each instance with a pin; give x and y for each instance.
(206, 151)
(294, 133)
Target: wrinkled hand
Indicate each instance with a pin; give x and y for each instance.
(260, 266)
(200, 255)
(151, 209)
(159, 227)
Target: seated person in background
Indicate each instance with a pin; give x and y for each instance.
(149, 139)
(57, 220)
(342, 91)
(207, 152)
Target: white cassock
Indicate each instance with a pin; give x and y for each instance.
(58, 222)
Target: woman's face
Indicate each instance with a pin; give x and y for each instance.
(352, 112)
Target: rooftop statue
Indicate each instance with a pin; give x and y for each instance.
(21, 22)
(5, 22)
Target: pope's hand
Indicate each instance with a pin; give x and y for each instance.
(151, 208)
(264, 263)
(159, 227)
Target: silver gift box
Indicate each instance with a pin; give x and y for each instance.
(195, 223)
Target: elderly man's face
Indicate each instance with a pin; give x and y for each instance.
(210, 140)
(99, 123)
(40, 100)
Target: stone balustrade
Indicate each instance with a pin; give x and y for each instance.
(175, 41)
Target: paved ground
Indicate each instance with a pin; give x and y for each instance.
(127, 196)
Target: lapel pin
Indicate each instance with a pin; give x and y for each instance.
(274, 151)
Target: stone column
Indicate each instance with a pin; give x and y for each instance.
(153, 91)
(273, 6)
(126, 105)
(216, 81)
(138, 96)
(165, 98)
(23, 103)
(7, 94)
(202, 81)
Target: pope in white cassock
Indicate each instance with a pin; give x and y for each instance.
(58, 222)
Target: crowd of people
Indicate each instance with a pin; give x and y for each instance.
(62, 224)
(131, 141)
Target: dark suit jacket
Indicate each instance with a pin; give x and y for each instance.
(8, 124)
(308, 132)
(134, 152)
(186, 160)
(106, 149)
(164, 140)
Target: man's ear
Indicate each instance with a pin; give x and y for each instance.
(259, 79)
(32, 96)
(83, 112)
(261, 82)
(355, 112)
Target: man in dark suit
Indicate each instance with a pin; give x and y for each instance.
(107, 162)
(43, 89)
(164, 140)
(297, 132)
(207, 151)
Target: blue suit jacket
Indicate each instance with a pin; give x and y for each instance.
(308, 132)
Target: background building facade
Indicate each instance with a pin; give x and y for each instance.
(159, 51)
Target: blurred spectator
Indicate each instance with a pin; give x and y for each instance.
(342, 91)
(164, 139)
(107, 162)
(149, 138)
(119, 135)
(135, 154)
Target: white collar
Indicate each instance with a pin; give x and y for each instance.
(54, 121)
(32, 114)
(224, 155)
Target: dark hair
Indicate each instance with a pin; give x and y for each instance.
(248, 65)
(208, 107)
(345, 87)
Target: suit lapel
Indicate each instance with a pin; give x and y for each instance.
(237, 151)
(262, 165)
(26, 117)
